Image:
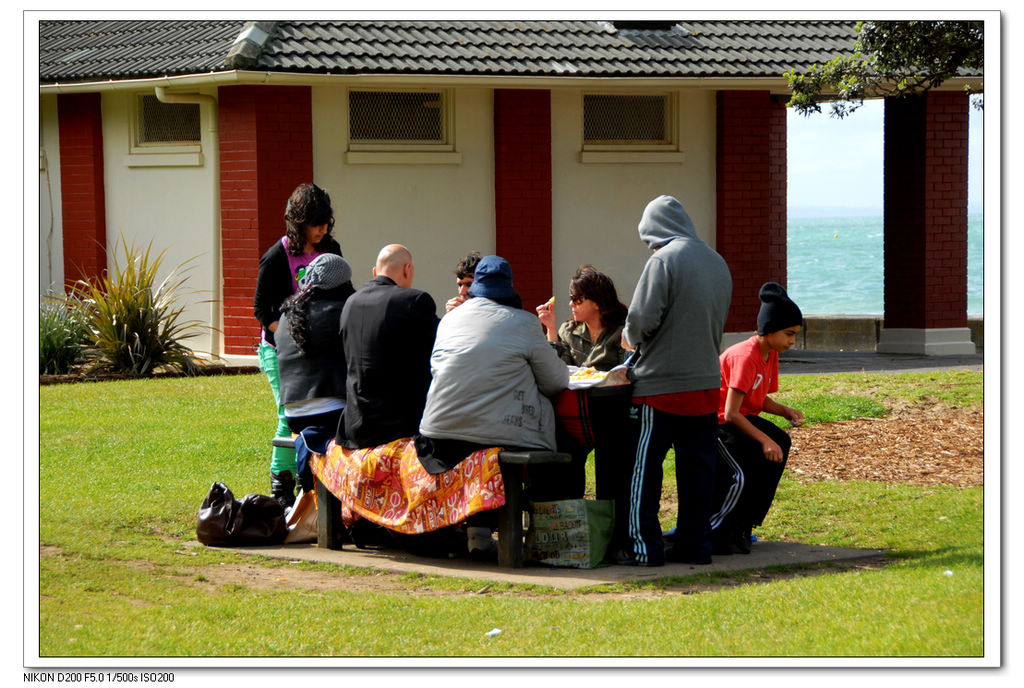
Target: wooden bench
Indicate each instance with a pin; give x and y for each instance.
(330, 529)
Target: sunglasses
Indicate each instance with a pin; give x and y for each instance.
(576, 300)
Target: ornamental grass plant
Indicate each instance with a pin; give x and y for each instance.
(135, 323)
(62, 334)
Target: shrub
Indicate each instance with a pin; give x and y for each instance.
(135, 325)
(62, 334)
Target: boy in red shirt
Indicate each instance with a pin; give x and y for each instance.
(752, 451)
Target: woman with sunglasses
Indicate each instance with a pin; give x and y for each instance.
(592, 338)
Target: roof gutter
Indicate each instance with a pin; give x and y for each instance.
(238, 77)
(777, 85)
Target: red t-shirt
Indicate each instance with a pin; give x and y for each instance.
(743, 369)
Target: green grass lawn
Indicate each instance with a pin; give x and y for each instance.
(124, 466)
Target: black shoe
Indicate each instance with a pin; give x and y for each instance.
(722, 542)
(282, 488)
(368, 535)
(680, 555)
(627, 558)
(742, 541)
(720, 548)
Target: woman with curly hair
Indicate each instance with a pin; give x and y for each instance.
(309, 220)
(592, 338)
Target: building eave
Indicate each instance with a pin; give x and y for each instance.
(775, 85)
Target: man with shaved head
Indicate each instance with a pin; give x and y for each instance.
(387, 331)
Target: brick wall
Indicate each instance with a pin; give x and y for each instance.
(925, 192)
(751, 197)
(266, 150)
(83, 217)
(522, 186)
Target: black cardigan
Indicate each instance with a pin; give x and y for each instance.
(274, 283)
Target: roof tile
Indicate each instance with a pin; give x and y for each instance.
(87, 50)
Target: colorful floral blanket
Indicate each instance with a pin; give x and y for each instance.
(388, 486)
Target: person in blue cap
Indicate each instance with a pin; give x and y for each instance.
(492, 373)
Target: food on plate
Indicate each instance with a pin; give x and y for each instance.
(588, 375)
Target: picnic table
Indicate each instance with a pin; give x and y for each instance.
(331, 527)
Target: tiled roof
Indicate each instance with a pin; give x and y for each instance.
(94, 50)
(91, 50)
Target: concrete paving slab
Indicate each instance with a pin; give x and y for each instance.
(763, 554)
(807, 362)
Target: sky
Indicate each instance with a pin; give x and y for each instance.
(835, 165)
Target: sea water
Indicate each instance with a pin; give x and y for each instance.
(835, 265)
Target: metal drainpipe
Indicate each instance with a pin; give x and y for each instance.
(214, 156)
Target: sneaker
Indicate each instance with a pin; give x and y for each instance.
(627, 558)
(679, 555)
(742, 541)
(481, 545)
(721, 548)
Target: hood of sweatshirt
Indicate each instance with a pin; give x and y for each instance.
(664, 219)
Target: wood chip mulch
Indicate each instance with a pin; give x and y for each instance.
(927, 443)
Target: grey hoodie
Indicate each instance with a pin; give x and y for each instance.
(679, 306)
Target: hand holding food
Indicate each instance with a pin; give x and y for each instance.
(546, 314)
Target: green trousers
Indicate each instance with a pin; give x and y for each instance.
(281, 459)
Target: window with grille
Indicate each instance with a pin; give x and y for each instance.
(639, 122)
(413, 120)
(160, 123)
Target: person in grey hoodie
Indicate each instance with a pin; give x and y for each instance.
(675, 320)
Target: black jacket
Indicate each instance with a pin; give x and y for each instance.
(321, 372)
(274, 283)
(388, 333)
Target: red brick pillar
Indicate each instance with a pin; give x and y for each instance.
(925, 206)
(522, 189)
(751, 199)
(266, 150)
(83, 204)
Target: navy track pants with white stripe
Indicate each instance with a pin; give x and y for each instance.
(694, 441)
(745, 481)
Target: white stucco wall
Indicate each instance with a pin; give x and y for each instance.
(51, 248)
(174, 207)
(596, 206)
(440, 212)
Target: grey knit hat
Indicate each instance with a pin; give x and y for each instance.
(327, 271)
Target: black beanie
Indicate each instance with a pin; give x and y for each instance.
(777, 310)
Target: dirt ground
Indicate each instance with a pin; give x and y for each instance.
(926, 443)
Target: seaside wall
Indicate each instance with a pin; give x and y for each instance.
(860, 332)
